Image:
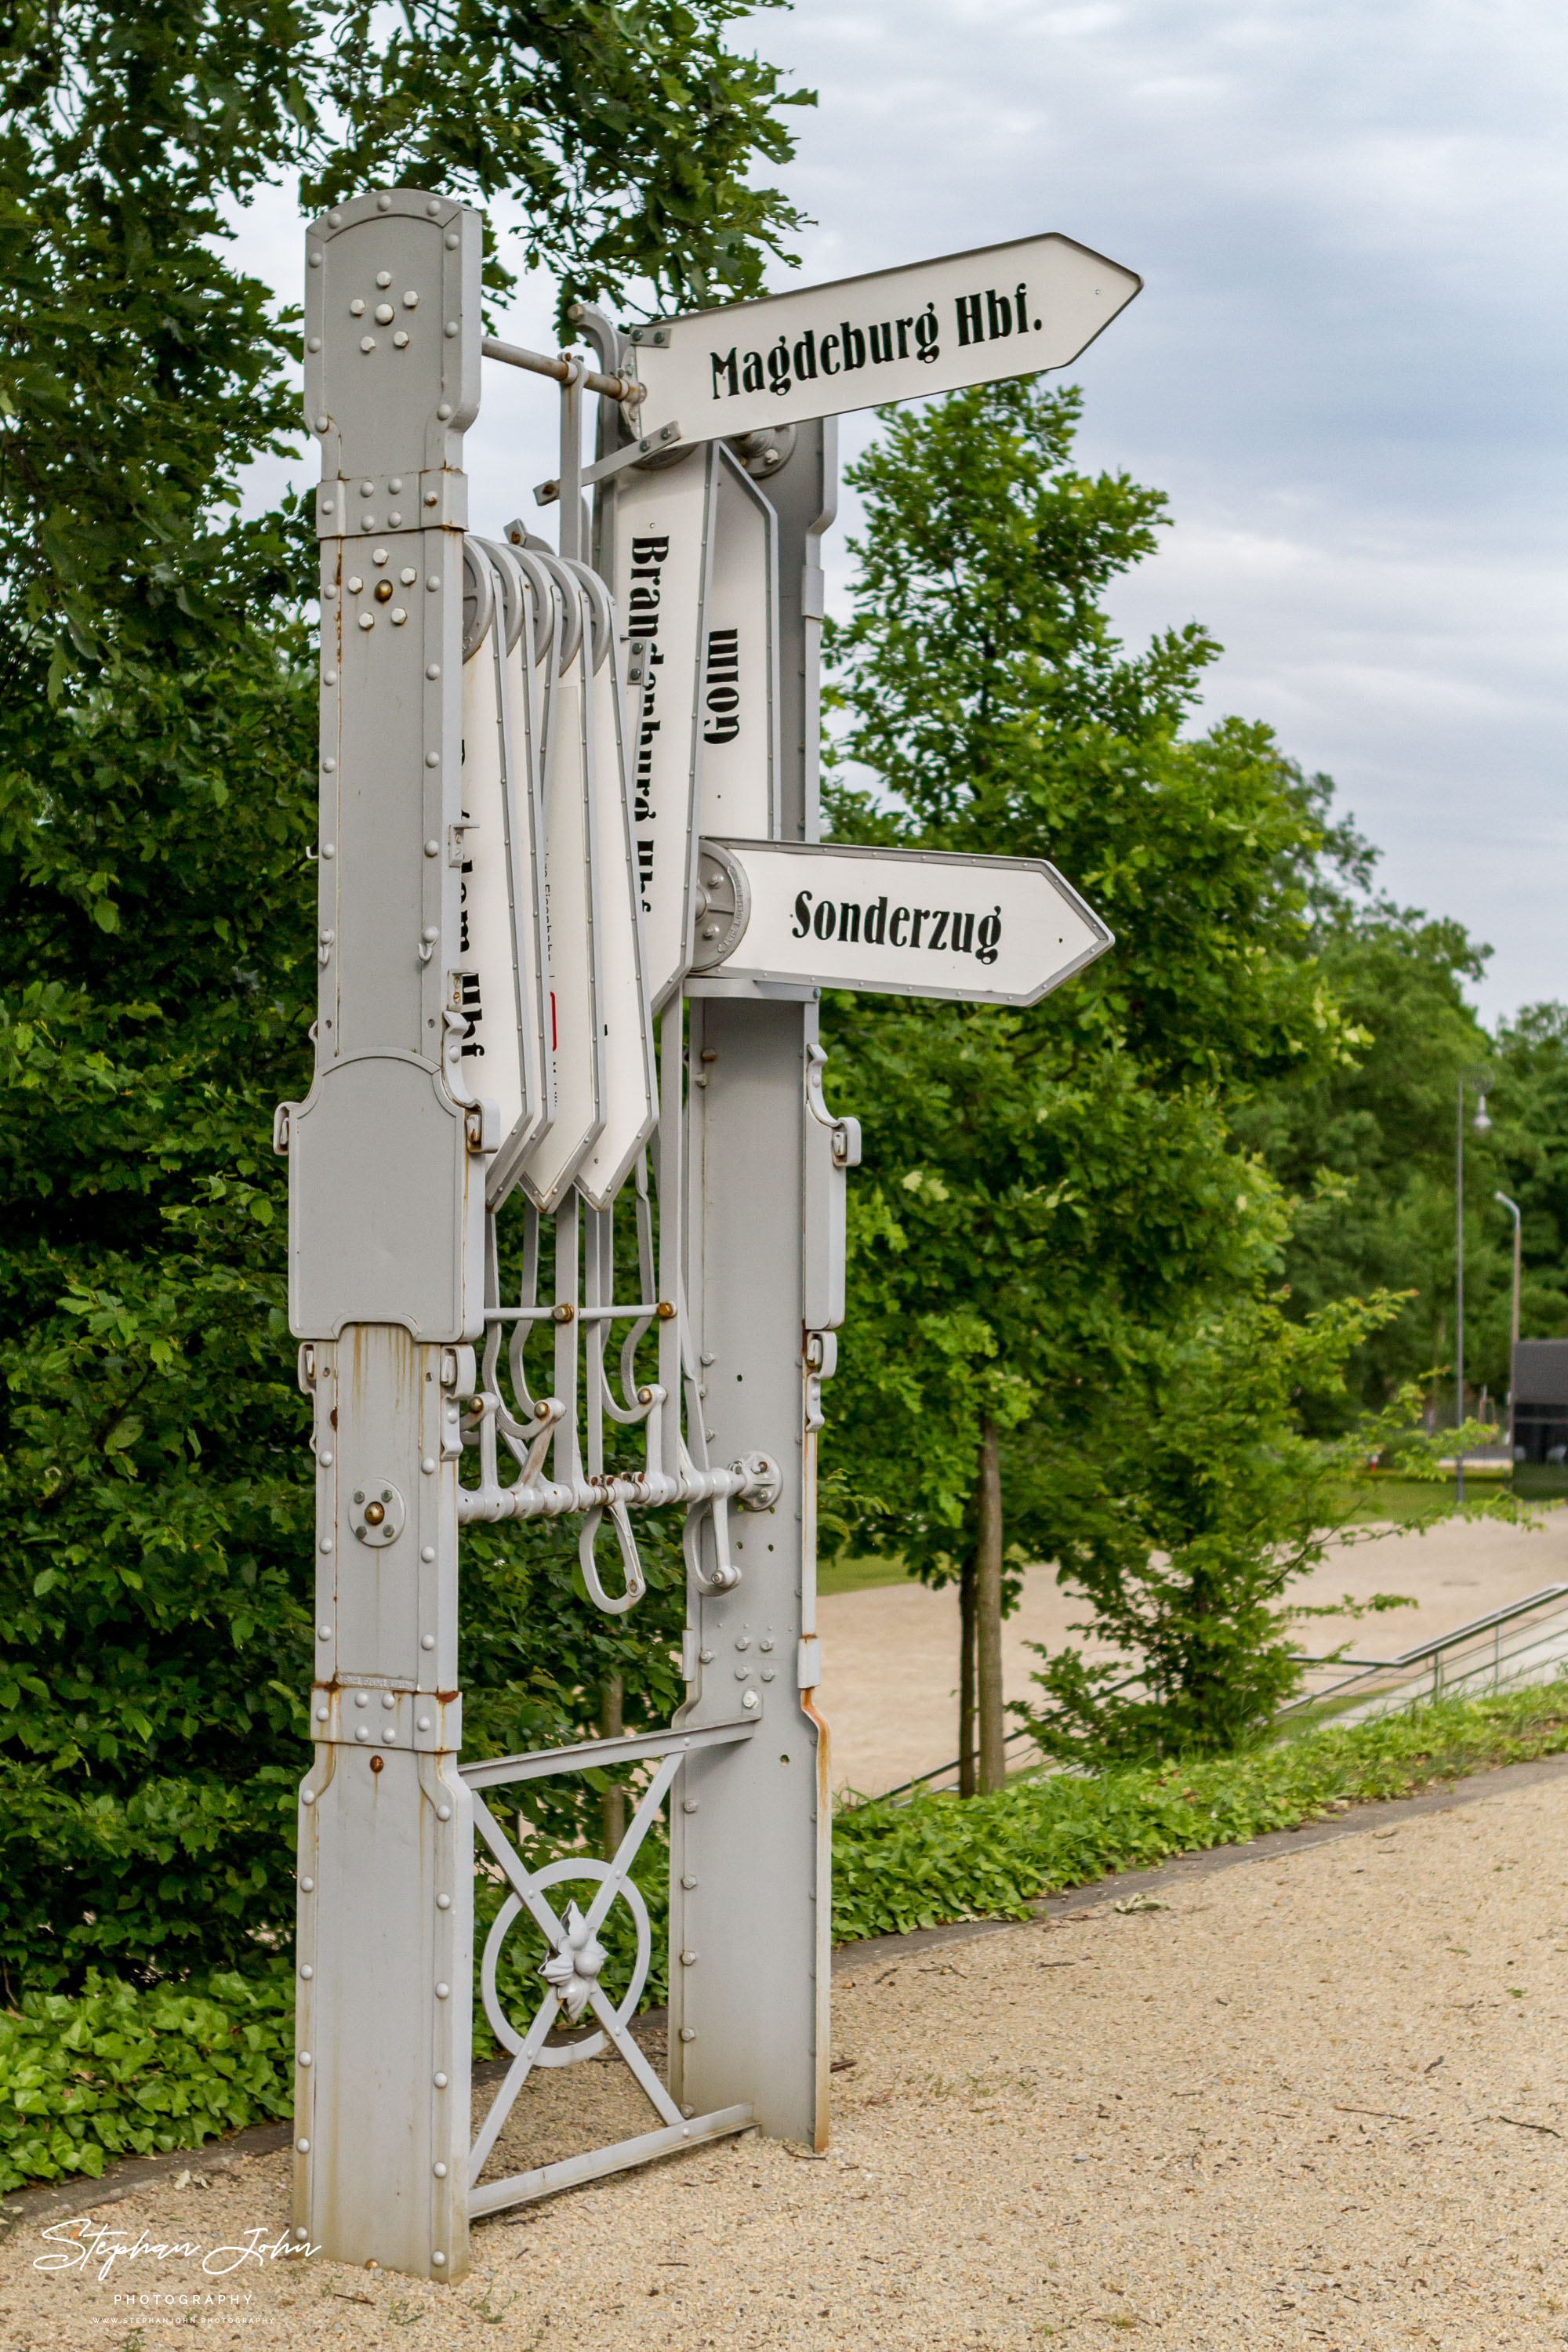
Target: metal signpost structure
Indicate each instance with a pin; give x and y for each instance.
(568, 815)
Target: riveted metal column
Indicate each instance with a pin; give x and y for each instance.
(749, 1891)
(386, 1231)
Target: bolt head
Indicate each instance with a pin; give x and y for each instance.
(443, 1812)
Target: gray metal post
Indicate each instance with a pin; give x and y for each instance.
(386, 1233)
(750, 1892)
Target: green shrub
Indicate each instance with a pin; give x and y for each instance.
(897, 1867)
(120, 2070)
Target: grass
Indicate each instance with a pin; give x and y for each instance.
(122, 2069)
(847, 1574)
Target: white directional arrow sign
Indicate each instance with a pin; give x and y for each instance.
(901, 334)
(898, 922)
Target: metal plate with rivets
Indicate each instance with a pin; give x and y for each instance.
(377, 1512)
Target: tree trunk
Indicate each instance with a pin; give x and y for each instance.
(612, 1804)
(988, 1612)
(966, 1679)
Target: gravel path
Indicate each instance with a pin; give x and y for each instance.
(1322, 2099)
(890, 1654)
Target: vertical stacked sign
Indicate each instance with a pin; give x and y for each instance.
(500, 984)
(663, 540)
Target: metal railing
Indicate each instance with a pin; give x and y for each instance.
(1525, 1641)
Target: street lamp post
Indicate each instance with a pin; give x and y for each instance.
(1482, 1126)
(1512, 1208)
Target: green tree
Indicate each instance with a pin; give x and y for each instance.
(156, 775)
(1048, 1196)
(1365, 1148)
(1185, 1521)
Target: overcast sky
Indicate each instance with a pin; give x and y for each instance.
(1346, 367)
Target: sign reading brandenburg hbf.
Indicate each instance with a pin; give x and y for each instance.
(898, 334)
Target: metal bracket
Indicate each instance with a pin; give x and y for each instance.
(349, 508)
(368, 1716)
(634, 452)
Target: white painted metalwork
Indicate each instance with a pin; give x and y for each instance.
(570, 1974)
(513, 765)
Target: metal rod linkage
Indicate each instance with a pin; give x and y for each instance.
(564, 370)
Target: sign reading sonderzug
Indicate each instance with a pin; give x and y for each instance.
(901, 922)
(968, 318)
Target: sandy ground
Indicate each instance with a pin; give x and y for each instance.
(1320, 2099)
(891, 1654)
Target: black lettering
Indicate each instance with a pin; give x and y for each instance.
(650, 551)
(940, 920)
(990, 938)
(802, 915)
(1021, 298)
(829, 366)
(778, 368)
(900, 915)
(879, 916)
(925, 333)
(752, 372)
(723, 697)
(903, 338)
(881, 344)
(823, 921)
(964, 935)
(805, 358)
(998, 316)
(921, 915)
(970, 330)
(725, 368)
(848, 920)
